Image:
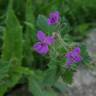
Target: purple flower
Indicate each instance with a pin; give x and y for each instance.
(73, 56)
(54, 18)
(41, 47)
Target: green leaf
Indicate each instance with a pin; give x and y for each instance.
(29, 17)
(43, 25)
(65, 27)
(3, 89)
(37, 88)
(49, 93)
(30, 33)
(81, 30)
(12, 49)
(51, 76)
(9, 81)
(13, 45)
(57, 52)
(85, 56)
(68, 76)
(4, 69)
(61, 86)
(34, 86)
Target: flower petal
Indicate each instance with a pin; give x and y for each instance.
(37, 47)
(53, 18)
(77, 50)
(73, 56)
(44, 49)
(54, 14)
(49, 21)
(69, 62)
(40, 48)
(49, 40)
(68, 55)
(41, 36)
(77, 58)
(69, 58)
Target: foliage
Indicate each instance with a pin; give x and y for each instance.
(19, 63)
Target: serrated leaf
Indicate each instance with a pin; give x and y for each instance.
(4, 69)
(12, 46)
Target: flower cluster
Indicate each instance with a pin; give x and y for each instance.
(42, 46)
(44, 41)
